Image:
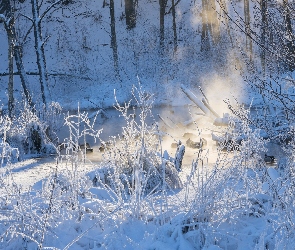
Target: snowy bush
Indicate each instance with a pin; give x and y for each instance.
(8, 153)
(133, 165)
(31, 219)
(32, 132)
(136, 198)
(242, 203)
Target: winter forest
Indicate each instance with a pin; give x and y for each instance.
(147, 124)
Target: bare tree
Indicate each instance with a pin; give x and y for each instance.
(114, 45)
(39, 48)
(174, 25)
(36, 20)
(7, 18)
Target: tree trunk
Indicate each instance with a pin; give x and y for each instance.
(114, 38)
(130, 14)
(39, 47)
(205, 44)
(162, 22)
(174, 26)
(289, 35)
(223, 7)
(8, 20)
(23, 76)
(213, 20)
(210, 24)
(247, 28)
(10, 69)
(5, 9)
(263, 33)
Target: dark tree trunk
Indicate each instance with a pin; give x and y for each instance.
(114, 38)
(174, 26)
(130, 14)
(10, 69)
(263, 32)
(5, 8)
(162, 22)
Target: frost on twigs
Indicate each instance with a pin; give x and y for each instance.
(80, 128)
(32, 131)
(134, 165)
(8, 153)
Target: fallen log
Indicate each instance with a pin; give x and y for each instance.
(206, 108)
(194, 99)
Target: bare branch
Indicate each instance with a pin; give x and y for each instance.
(50, 74)
(27, 17)
(45, 41)
(28, 32)
(49, 8)
(169, 11)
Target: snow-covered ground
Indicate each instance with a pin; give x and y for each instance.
(131, 196)
(212, 210)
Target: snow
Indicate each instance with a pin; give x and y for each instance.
(274, 175)
(218, 199)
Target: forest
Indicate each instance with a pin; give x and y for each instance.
(147, 124)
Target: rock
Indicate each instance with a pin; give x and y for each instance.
(86, 147)
(188, 135)
(192, 144)
(269, 159)
(105, 146)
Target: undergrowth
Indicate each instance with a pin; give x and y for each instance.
(136, 198)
